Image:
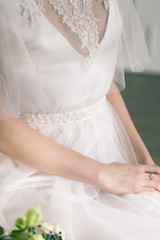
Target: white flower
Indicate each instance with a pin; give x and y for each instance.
(63, 236)
(47, 228)
(59, 231)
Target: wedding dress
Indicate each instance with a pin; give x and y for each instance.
(62, 94)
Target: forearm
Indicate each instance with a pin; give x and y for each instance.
(21, 142)
(139, 147)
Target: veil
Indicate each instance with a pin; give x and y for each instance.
(14, 81)
(132, 46)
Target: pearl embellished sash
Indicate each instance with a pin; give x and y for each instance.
(37, 120)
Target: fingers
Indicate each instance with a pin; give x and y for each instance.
(155, 177)
(146, 184)
(152, 168)
(148, 189)
(152, 183)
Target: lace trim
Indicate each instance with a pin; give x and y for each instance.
(80, 21)
(37, 120)
(77, 14)
(32, 10)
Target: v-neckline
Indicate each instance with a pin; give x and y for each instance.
(69, 44)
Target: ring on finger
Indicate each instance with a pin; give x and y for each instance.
(151, 176)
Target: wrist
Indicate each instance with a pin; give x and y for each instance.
(101, 175)
(97, 175)
(144, 157)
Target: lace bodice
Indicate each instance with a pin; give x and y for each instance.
(45, 74)
(76, 14)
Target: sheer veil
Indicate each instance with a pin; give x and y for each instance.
(14, 81)
(132, 46)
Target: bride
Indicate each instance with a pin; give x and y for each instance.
(67, 141)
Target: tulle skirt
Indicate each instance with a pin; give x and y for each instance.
(83, 210)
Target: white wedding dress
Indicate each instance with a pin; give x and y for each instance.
(73, 111)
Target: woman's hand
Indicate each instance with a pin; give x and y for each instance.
(123, 178)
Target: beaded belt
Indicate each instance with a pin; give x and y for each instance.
(56, 119)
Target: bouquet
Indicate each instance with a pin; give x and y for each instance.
(31, 227)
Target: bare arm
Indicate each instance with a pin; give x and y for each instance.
(140, 149)
(27, 145)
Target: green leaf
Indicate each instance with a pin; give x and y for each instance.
(58, 238)
(21, 222)
(19, 234)
(8, 237)
(34, 216)
(19, 238)
(36, 237)
(16, 233)
(31, 219)
(1, 231)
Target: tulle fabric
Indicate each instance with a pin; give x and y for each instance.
(14, 53)
(83, 210)
(36, 78)
(104, 148)
(21, 83)
(133, 50)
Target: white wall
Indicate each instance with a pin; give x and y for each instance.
(149, 13)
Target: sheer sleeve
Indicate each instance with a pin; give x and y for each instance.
(132, 45)
(7, 65)
(20, 84)
(13, 57)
